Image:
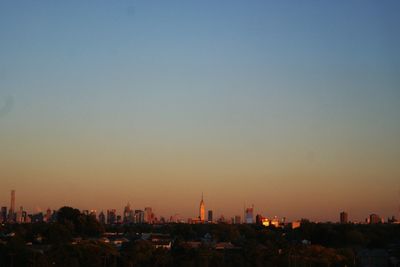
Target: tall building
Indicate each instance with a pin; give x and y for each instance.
(148, 215)
(25, 217)
(374, 219)
(11, 213)
(18, 215)
(111, 216)
(344, 217)
(202, 215)
(210, 216)
(102, 218)
(248, 215)
(138, 216)
(128, 214)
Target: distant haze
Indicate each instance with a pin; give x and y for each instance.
(291, 106)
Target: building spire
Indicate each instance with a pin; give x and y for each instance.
(202, 209)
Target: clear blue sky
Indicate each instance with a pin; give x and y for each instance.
(293, 106)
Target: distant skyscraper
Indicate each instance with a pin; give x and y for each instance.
(18, 215)
(102, 218)
(249, 217)
(202, 215)
(111, 216)
(25, 217)
(148, 215)
(128, 214)
(210, 216)
(374, 219)
(344, 217)
(11, 213)
(138, 216)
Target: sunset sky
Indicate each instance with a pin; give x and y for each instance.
(293, 106)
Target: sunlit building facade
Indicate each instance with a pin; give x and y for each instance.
(202, 212)
(374, 219)
(249, 215)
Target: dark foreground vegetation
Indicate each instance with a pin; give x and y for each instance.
(79, 240)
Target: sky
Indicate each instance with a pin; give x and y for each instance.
(291, 106)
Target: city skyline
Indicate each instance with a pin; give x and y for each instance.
(249, 214)
(293, 107)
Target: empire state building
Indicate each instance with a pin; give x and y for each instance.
(202, 213)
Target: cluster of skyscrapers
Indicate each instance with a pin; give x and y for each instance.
(137, 216)
(129, 216)
(12, 215)
(111, 216)
(372, 219)
(248, 215)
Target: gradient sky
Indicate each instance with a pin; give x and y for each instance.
(294, 107)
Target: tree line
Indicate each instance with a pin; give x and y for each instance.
(312, 244)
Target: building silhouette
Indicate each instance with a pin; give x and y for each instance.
(128, 214)
(11, 213)
(102, 218)
(138, 216)
(344, 217)
(210, 216)
(111, 216)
